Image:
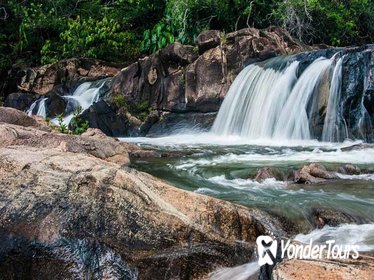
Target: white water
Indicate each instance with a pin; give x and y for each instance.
(84, 96)
(42, 111)
(332, 126)
(347, 234)
(267, 103)
(241, 272)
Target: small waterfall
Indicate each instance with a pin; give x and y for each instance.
(332, 128)
(40, 104)
(270, 102)
(84, 96)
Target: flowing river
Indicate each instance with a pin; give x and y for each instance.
(224, 167)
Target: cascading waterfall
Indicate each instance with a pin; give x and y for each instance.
(273, 102)
(84, 96)
(41, 108)
(332, 129)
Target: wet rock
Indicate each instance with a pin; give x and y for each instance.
(349, 169)
(356, 147)
(312, 174)
(332, 217)
(55, 104)
(103, 116)
(268, 172)
(20, 100)
(173, 122)
(13, 116)
(350, 269)
(151, 119)
(208, 40)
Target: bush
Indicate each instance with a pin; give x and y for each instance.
(331, 22)
(94, 39)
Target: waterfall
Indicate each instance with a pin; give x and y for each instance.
(40, 104)
(270, 102)
(332, 128)
(83, 96)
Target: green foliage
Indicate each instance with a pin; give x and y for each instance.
(97, 39)
(119, 101)
(190, 17)
(331, 22)
(43, 31)
(157, 38)
(62, 127)
(77, 124)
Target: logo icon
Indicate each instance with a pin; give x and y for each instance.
(267, 249)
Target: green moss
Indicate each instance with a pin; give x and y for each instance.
(119, 101)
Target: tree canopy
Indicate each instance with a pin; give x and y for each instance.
(43, 31)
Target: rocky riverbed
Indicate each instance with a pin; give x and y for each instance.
(72, 207)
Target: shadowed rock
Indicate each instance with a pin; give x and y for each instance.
(349, 169)
(332, 217)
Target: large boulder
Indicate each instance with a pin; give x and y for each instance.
(208, 39)
(67, 212)
(113, 123)
(13, 116)
(20, 100)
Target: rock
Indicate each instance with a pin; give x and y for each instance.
(94, 132)
(151, 119)
(20, 100)
(348, 269)
(206, 85)
(103, 116)
(177, 122)
(356, 147)
(43, 79)
(268, 172)
(176, 55)
(208, 40)
(312, 174)
(332, 217)
(105, 148)
(177, 80)
(349, 169)
(55, 104)
(13, 116)
(70, 215)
